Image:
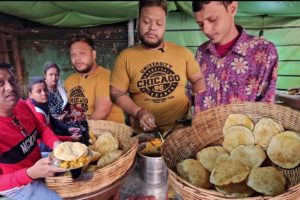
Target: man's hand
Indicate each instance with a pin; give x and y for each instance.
(146, 120)
(291, 100)
(42, 169)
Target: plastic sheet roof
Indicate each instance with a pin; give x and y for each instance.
(93, 13)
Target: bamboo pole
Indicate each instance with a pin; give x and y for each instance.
(4, 47)
(17, 63)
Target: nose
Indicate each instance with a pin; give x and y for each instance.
(206, 28)
(75, 57)
(54, 77)
(152, 26)
(8, 86)
(44, 93)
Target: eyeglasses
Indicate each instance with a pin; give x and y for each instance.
(17, 123)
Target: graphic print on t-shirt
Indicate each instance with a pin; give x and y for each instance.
(78, 99)
(21, 150)
(158, 81)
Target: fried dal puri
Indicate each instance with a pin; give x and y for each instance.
(109, 158)
(237, 135)
(236, 190)
(238, 120)
(251, 156)
(264, 130)
(95, 155)
(207, 156)
(222, 158)
(105, 143)
(284, 149)
(229, 172)
(69, 151)
(267, 180)
(92, 136)
(192, 171)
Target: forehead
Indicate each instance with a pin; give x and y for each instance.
(52, 70)
(213, 8)
(80, 45)
(5, 73)
(38, 86)
(153, 12)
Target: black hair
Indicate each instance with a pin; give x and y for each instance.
(34, 80)
(7, 66)
(48, 65)
(198, 5)
(82, 37)
(149, 3)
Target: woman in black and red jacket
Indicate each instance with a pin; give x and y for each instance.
(37, 101)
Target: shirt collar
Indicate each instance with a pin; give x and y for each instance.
(243, 37)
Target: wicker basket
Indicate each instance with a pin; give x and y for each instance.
(66, 187)
(207, 130)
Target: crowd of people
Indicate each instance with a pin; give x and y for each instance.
(150, 83)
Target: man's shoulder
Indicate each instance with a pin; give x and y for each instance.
(175, 46)
(132, 49)
(257, 41)
(23, 106)
(179, 49)
(102, 71)
(204, 45)
(22, 103)
(71, 77)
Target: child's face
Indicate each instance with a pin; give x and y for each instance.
(39, 93)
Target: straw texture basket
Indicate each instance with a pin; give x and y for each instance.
(66, 187)
(207, 130)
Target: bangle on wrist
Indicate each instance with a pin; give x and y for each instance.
(139, 112)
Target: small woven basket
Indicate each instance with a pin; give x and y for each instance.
(67, 187)
(207, 130)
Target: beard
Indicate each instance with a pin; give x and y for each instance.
(149, 44)
(86, 70)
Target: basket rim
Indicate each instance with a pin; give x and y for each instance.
(183, 182)
(245, 103)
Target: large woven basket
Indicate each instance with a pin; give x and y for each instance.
(207, 130)
(66, 187)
